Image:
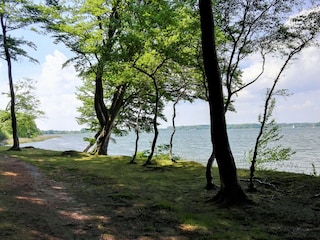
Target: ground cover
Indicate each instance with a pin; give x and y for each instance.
(50, 195)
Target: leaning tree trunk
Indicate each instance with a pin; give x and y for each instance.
(155, 122)
(230, 191)
(173, 130)
(137, 132)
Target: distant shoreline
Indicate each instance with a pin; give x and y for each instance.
(202, 126)
(31, 140)
(250, 125)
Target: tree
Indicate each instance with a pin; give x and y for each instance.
(91, 30)
(168, 53)
(26, 108)
(142, 33)
(13, 15)
(26, 100)
(157, 102)
(243, 26)
(26, 126)
(106, 37)
(230, 191)
(300, 32)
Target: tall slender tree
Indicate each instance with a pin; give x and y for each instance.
(298, 33)
(230, 191)
(13, 16)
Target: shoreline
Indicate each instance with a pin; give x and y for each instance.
(31, 140)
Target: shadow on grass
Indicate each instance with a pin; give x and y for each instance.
(108, 198)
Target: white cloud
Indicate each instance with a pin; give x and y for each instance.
(56, 90)
(196, 113)
(301, 78)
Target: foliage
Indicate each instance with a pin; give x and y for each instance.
(15, 16)
(26, 100)
(292, 37)
(267, 149)
(111, 42)
(161, 154)
(26, 107)
(26, 124)
(3, 135)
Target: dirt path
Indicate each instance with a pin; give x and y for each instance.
(41, 207)
(35, 207)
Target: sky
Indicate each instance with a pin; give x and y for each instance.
(56, 88)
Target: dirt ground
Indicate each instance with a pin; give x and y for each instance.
(37, 207)
(42, 206)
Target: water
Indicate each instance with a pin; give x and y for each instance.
(194, 144)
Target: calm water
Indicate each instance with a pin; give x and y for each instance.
(194, 144)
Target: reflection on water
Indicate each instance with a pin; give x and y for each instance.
(194, 144)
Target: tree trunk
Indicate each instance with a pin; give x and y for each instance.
(210, 185)
(173, 130)
(136, 146)
(106, 116)
(87, 148)
(137, 130)
(16, 144)
(103, 139)
(230, 191)
(155, 123)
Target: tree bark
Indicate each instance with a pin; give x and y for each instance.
(155, 122)
(210, 185)
(230, 191)
(173, 129)
(137, 132)
(106, 116)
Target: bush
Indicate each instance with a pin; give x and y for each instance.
(3, 136)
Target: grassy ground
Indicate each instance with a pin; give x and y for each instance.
(165, 201)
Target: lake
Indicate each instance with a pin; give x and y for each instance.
(194, 144)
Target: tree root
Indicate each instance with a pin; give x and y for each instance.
(261, 183)
(211, 186)
(234, 196)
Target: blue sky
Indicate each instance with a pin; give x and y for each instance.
(56, 88)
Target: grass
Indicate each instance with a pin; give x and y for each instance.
(168, 199)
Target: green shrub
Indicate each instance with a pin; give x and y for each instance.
(3, 136)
